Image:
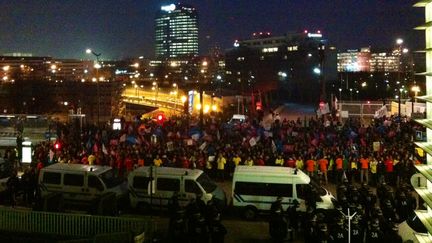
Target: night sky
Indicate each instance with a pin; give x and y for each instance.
(124, 28)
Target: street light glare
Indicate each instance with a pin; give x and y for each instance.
(317, 71)
(399, 41)
(88, 51)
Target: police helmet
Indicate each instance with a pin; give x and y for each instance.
(375, 223)
(323, 227)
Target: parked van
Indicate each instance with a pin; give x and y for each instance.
(80, 183)
(157, 185)
(255, 188)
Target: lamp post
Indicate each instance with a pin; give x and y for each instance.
(414, 89)
(340, 93)
(176, 96)
(156, 89)
(97, 66)
(399, 43)
(399, 102)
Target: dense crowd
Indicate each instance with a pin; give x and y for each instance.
(380, 153)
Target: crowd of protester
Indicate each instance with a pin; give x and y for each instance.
(380, 153)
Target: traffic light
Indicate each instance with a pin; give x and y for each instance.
(160, 118)
(258, 106)
(57, 145)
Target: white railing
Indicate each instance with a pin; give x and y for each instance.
(72, 225)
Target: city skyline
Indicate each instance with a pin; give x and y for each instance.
(120, 29)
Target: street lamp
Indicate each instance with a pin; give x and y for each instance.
(156, 89)
(340, 93)
(97, 66)
(176, 95)
(416, 90)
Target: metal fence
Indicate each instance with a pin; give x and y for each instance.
(70, 225)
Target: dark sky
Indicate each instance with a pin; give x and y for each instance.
(124, 28)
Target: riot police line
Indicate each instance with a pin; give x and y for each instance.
(375, 216)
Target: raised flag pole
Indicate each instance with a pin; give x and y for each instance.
(349, 217)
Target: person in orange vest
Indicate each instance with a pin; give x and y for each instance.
(310, 166)
(140, 161)
(323, 163)
(364, 172)
(339, 168)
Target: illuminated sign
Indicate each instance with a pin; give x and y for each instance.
(26, 152)
(168, 8)
(314, 35)
(117, 124)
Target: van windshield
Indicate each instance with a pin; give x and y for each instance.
(206, 183)
(110, 180)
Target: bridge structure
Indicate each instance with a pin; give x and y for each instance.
(167, 102)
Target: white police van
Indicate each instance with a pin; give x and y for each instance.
(255, 188)
(80, 183)
(156, 186)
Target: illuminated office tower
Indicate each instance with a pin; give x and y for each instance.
(425, 189)
(176, 31)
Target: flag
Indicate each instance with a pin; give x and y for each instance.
(123, 138)
(252, 142)
(104, 149)
(381, 112)
(203, 146)
(274, 149)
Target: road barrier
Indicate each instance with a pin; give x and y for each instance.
(70, 225)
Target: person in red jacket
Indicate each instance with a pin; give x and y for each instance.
(389, 170)
(290, 162)
(128, 164)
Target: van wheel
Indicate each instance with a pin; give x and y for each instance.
(250, 213)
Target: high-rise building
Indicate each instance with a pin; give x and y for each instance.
(425, 190)
(365, 60)
(176, 31)
(290, 66)
(354, 60)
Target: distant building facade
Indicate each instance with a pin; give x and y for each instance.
(176, 31)
(290, 66)
(365, 60)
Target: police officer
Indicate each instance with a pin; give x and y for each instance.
(341, 191)
(388, 211)
(357, 233)
(293, 218)
(381, 191)
(198, 231)
(276, 206)
(178, 228)
(211, 210)
(173, 204)
(12, 185)
(323, 235)
(403, 207)
(278, 227)
(217, 230)
(393, 236)
(311, 230)
(339, 234)
(374, 234)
